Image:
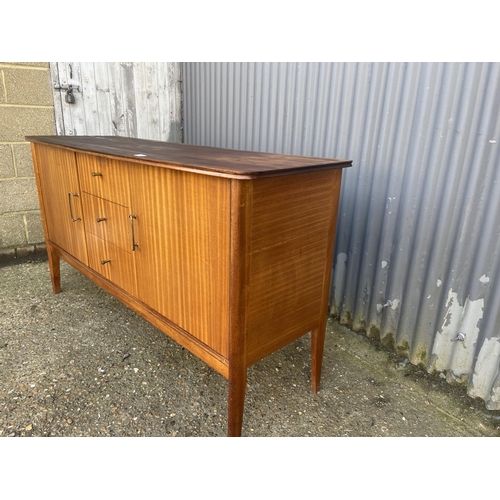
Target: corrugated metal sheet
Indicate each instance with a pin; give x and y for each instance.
(417, 257)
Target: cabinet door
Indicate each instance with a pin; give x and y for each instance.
(61, 199)
(182, 259)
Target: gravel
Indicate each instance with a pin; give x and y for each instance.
(79, 363)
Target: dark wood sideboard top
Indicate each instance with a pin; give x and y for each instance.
(202, 159)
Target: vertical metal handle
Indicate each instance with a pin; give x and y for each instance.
(70, 208)
(134, 244)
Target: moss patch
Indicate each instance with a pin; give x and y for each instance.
(403, 348)
(374, 332)
(421, 356)
(388, 341)
(347, 319)
(359, 325)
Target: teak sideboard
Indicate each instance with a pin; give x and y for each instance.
(228, 252)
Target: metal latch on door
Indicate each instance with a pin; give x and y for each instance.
(69, 97)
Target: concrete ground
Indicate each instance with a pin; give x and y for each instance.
(81, 364)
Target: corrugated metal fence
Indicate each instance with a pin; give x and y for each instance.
(417, 253)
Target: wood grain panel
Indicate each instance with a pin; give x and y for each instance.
(104, 177)
(118, 265)
(60, 197)
(206, 160)
(183, 229)
(202, 351)
(241, 214)
(290, 232)
(115, 227)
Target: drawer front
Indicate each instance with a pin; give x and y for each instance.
(104, 177)
(107, 220)
(112, 262)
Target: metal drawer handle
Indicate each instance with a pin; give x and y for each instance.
(96, 174)
(100, 219)
(134, 244)
(70, 209)
(105, 261)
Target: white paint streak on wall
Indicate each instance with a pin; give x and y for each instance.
(484, 279)
(395, 304)
(457, 356)
(494, 402)
(485, 370)
(384, 264)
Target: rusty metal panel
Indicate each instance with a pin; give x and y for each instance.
(417, 255)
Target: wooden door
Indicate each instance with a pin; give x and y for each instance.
(131, 99)
(182, 258)
(61, 199)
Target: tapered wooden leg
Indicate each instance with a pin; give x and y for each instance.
(236, 400)
(55, 269)
(317, 347)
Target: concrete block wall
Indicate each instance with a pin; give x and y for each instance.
(26, 108)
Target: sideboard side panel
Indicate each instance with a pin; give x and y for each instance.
(290, 242)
